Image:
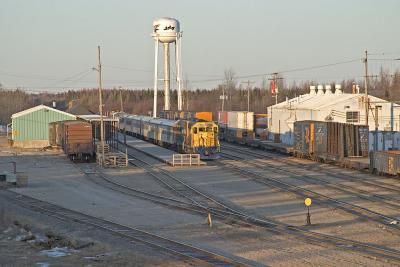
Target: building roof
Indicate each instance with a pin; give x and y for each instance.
(95, 117)
(30, 110)
(318, 102)
(79, 109)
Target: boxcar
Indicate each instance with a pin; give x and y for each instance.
(385, 162)
(76, 139)
(329, 140)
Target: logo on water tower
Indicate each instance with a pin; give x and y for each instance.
(156, 28)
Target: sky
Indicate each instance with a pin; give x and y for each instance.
(51, 45)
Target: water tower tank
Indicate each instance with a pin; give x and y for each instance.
(166, 28)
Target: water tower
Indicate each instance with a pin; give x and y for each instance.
(166, 31)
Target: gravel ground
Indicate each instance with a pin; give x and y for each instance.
(55, 179)
(255, 244)
(26, 236)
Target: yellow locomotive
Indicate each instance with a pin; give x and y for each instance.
(182, 135)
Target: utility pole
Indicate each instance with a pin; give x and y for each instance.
(275, 78)
(120, 98)
(98, 69)
(366, 87)
(223, 98)
(187, 94)
(248, 93)
(376, 127)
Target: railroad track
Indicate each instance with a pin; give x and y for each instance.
(98, 177)
(186, 252)
(276, 157)
(361, 193)
(302, 192)
(180, 188)
(269, 225)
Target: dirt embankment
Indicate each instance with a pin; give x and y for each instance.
(28, 241)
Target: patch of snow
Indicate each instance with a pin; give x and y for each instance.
(58, 252)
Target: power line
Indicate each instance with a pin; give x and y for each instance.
(284, 71)
(39, 77)
(77, 76)
(128, 69)
(384, 59)
(138, 83)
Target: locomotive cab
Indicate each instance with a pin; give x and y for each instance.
(204, 139)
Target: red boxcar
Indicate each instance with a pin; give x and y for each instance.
(77, 140)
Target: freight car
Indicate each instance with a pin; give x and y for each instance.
(324, 141)
(182, 135)
(186, 115)
(261, 125)
(385, 162)
(74, 137)
(242, 126)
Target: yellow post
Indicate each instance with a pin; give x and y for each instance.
(308, 203)
(209, 221)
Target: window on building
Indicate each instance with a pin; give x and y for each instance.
(352, 116)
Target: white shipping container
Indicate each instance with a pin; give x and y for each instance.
(241, 120)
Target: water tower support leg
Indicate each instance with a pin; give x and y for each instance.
(155, 78)
(166, 76)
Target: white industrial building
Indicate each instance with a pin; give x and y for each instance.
(324, 105)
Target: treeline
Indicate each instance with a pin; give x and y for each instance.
(386, 86)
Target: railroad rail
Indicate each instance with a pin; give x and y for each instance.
(180, 188)
(266, 224)
(184, 251)
(363, 194)
(278, 158)
(303, 192)
(98, 177)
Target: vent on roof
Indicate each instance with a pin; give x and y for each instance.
(328, 89)
(338, 89)
(312, 90)
(320, 90)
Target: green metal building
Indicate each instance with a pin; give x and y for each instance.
(30, 128)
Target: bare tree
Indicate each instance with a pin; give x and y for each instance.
(186, 89)
(230, 84)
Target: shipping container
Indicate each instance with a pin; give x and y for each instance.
(222, 117)
(204, 116)
(330, 140)
(385, 162)
(236, 126)
(261, 125)
(241, 120)
(186, 115)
